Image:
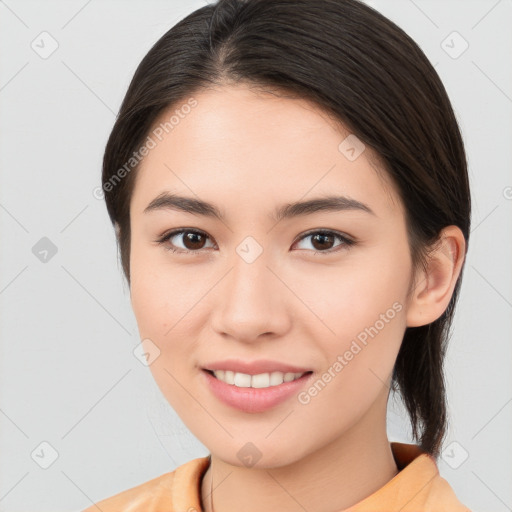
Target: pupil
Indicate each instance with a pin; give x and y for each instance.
(190, 238)
(321, 237)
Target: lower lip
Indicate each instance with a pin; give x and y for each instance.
(254, 399)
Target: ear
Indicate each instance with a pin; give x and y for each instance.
(434, 285)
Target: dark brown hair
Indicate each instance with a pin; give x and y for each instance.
(362, 69)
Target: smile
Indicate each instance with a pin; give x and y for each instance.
(255, 393)
(262, 380)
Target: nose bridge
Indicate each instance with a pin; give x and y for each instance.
(250, 280)
(248, 302)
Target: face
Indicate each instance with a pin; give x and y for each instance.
(321, 289)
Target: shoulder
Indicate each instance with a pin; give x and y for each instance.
(151, 495)
(418, 487)
(160, 494)
(442, 498)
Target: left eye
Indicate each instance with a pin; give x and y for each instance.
(322, 241)
(194, 240)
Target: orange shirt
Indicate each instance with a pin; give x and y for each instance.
(418, 487)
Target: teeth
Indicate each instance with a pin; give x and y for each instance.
(262, 380)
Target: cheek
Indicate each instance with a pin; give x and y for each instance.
(166, 305)
(159, 297)
(147, 304)
(161, 315)
(359, 359)
(366, 313)
(352, 296)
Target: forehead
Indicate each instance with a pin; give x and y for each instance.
(246, 146)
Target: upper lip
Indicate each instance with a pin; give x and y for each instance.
(255, 367)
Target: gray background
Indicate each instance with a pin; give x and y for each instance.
(68, 376)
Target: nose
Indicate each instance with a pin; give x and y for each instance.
(251, 301)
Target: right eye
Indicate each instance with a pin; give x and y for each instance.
(193, 240)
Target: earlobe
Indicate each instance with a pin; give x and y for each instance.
(435, 284)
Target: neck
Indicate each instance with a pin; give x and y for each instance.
(332, 478)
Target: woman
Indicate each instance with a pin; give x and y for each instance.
(289, 189)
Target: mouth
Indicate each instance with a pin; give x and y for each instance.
(258, 381)
(254, 393)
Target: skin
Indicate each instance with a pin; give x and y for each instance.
(249, 152)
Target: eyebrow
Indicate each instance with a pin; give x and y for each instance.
(168, 201)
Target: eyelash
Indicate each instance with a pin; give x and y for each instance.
(347, 242)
